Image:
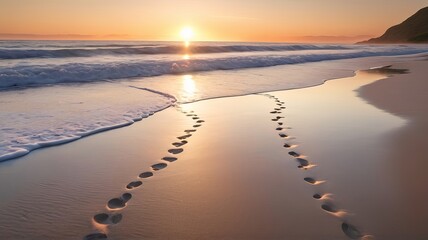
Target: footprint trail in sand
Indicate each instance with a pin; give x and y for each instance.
(112, 215)
(327, 204)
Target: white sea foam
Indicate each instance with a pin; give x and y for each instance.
(35, 118)
(23, 74)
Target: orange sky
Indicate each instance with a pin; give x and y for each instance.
(212, 20)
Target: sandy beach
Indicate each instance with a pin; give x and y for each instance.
(342, 160)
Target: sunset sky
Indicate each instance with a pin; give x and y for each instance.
(211, 20)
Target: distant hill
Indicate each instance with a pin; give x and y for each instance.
(412, 30)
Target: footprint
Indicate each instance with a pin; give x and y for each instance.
(184, 136)
(329, 207)
(279, 128)
(116, 203)
(274, 112)
(134, 184)
(286, 145)
(101, 218)
(104, 218)
(275, 119)
(283, 135)
(195, 118)
(317, 196)
(282, 107)
(146, 175)
(310, 180)
(175, 150)
(200, 121)
(116, 218)
(302, 162)
(190, 115)
(95, 236)
(126, 197)
(197, 125)
(294, 154)
(277, 109)
(159, 166)
(169, 159)
(280, 123)
(351, 231)
(179, 144)
(190, 130)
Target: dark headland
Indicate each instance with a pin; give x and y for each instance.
(412, 30)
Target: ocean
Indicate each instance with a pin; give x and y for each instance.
(53, 92)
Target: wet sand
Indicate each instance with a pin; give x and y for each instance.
(406, 96)
(310, 163)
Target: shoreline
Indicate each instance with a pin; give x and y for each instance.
(36, 146)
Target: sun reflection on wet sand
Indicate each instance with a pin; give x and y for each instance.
(188, 88)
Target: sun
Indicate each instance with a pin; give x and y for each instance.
(186, 33)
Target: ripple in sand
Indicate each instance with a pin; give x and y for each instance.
(179, 144)
(197, 125)
(134, 184)
(159, 166)
(351, 231)
(294, 154)
(200, 121)
(169, 159)
(95, 236)
(146, 175)
(120, 202)
(175, 150)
